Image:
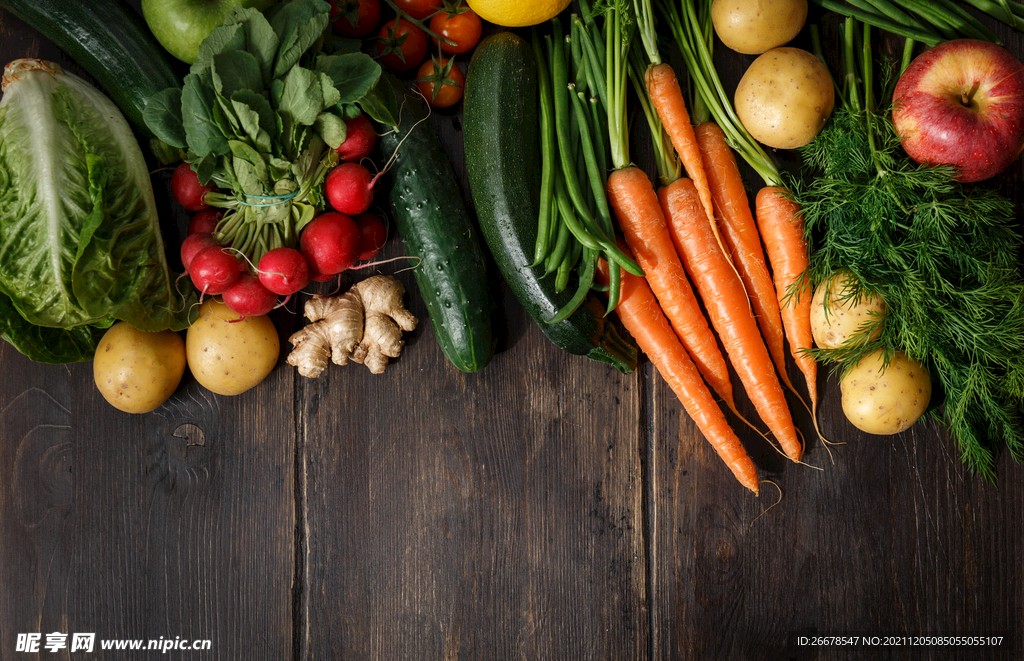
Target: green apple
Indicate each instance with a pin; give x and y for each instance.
(181, 25)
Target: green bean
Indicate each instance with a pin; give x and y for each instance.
(593, 170)
(614, 285)
(565, 123)
(563, 238)
(599, 123)
(566, 266)
(594, 61)
(972, 26)
(547, 149)
(889, 10)
(568, 213)
(588, 267)
(882, 23)
(1010, 13)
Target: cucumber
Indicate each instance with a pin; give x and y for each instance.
(436, 228)
(502, 147)
(110, 41)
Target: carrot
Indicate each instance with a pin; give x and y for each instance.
(667, 98)
(643, 318)
(782, 230)
(726, 301)
(736, 222)
(636, 207)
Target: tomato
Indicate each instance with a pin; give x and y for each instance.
(462, 27)
(443, 78)
(402, 45)
(355, 18)
(418, 8)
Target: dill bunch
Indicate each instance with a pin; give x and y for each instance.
(945, 258)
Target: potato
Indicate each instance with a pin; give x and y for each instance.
(784, 97)
(835, 320)
(228, 357)
(885, 401)
(755, 26)
(137, 371)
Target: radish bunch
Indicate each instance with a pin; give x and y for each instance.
(329, 244)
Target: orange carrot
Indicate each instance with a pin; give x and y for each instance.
(736, 222)
(725, 299)
(782, 230)
(667, 98)
(636, 207)
(643, 318)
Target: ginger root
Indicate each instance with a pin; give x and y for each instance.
(364, 325)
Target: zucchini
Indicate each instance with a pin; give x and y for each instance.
(502, 146)
(111, 42)
(436, 228)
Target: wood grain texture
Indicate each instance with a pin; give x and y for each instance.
(487, 515)
(547, 507)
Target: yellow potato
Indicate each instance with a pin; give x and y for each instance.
(885, 401)
(229, 358)
(755, 26)
(137, 371)
(836, 317)
(785, 97)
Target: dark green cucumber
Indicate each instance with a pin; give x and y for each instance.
(502, 146)
(108, 39)
(436, 227)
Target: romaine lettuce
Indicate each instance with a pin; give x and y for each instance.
(80, 242)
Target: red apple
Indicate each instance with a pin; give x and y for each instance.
(962, 103)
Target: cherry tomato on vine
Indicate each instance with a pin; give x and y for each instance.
(418, 8)
(402, 45)
(440, 82)
(355, 18)
(461, 26)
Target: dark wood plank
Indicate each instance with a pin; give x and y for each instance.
(175, 523)
(487, 515)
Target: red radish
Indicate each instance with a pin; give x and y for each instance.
(330, 244)
(186, 189)
(283, 271)
(213, 270)
(194, 243)
(373, 235)
(359, 140)
(248, 297)
(349, 188)
(205, 221)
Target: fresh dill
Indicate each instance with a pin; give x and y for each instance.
(943, 255)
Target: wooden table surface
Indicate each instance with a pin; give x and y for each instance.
(547, 507)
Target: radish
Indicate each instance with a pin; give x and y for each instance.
(373, 235)
(359, 140)
(248, 297)
(213, 270)
(330, 244)
(205, 221)
(186, 189)
(283, 271)
(349, 188)
(193, 244)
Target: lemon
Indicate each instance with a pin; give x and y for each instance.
(517, 13)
